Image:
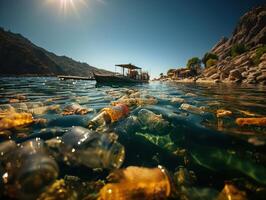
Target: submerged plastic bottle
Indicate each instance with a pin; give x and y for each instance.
(135, 183)
(92, 149)
(109, 115)
(156, 124)
(28, 169)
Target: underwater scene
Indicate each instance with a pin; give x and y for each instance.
(73, 139)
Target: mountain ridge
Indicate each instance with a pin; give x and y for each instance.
(21, 57)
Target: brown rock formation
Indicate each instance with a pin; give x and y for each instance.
(251, 32)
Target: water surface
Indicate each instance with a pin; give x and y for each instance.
(216, 149)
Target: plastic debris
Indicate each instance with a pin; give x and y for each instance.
(75, 109)
(156, 124)
(137, 183)
(80, 146)
(28, 168)
(10, 120)
(191, 108)
(251, 121)
(109, 115)
(230, 192)
(223, 113)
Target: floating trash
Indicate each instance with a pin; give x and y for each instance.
(223, 113)
(80, 146)
(10, 120)
(109, 115)
(230, 192)
(137, 183)
(28, 168)
(192, 109)
(76, 109)
(154, 123)
(260, 121)
(214, 149)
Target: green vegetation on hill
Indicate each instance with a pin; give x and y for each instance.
(238, 49)
(259, 52)
(211, 57)
(193, 63)
(210, 62)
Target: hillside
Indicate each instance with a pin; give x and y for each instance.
(19, 56)
(242, 57)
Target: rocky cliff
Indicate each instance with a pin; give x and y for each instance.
(19, 56)
(242, 57)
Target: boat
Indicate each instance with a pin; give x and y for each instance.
(133, 75)
(63, 77)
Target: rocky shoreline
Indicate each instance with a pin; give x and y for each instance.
(239, 59)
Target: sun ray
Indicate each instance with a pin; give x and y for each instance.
(68, 7)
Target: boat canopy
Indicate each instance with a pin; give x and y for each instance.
(128, 66)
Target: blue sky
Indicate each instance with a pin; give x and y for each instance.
(154, 34)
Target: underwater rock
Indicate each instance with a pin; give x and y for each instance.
(109, 115)
(156, 124)
(134, 183)
(230, 192)
(80, 146)
(10, 120)
(191, 108)
(223, 113)
(75, 109)
(260, 121)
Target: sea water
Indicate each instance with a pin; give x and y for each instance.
(216, 149)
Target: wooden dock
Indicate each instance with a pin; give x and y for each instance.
(62, 77)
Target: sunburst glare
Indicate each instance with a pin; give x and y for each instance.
(67, 7)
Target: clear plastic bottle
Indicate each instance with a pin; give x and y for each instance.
(91, 149)
(135, 183)
(109, 115)
(155, 123)
(28, 169)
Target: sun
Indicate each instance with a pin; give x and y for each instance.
(67, 7)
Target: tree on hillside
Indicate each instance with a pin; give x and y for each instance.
(193, 65)
(207, 57)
